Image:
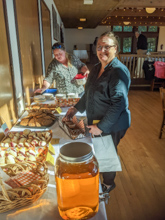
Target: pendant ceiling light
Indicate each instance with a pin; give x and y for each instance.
(126, 22)
(150, 10)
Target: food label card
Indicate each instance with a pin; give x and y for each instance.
(5, 129)
(50, 159)
(58, 110)
(95, 122)
(55, 141)
(51, 149)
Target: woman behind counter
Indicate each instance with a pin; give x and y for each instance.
(63, 68)
(106, 98)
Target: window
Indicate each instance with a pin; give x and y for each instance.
(127, 44)
(152, 29)
(127, 28)
(119, 40)
(142, 28)
(151, 44)
(117, 28)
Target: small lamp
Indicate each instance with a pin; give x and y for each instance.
(150, 10)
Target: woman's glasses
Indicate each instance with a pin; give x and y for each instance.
(106, 48)
(56, 46)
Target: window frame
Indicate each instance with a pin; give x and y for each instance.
(124, 34)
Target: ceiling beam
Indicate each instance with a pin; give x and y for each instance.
(136, 12)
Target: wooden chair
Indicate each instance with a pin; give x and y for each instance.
(162, 96)
(157, 84)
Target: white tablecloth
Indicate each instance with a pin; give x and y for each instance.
(46, 207)
(81, 54)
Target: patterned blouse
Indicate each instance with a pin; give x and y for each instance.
(63, 75)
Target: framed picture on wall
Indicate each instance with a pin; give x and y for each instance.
(58, 32)
(61, 33)
(55, 24)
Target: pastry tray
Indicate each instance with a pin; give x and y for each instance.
(34, 127)
(26, 113)
(40, 157)
(73, 134)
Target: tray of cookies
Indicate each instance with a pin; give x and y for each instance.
(74, 127)
(66, 102)
(51, 107)
(37, 119)
(24, 146)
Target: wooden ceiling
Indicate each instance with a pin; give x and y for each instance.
(110, 12)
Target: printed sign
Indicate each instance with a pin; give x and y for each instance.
(5, 129)
(95, 122)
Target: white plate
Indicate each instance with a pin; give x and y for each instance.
(39, 97)
(48, 96)
(60, 96)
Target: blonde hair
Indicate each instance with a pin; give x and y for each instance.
(61, 46)
(68, 57)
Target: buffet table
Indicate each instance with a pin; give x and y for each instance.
(46, 207)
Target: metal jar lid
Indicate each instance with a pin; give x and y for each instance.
(76, 152)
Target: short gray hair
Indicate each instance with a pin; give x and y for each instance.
(138, 31)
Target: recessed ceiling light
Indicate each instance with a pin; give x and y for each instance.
(80, 28)
(88, 2)
(83, 19)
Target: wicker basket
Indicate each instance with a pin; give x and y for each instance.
(22, 196)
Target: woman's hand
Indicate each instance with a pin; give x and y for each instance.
(71, 112)
(44, 87)
(85, 70)
(94, 130)
(39, 91)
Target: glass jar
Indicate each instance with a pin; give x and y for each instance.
(77, 181)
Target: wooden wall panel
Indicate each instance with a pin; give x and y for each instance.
(7, 106)
(29, 38)
(46, 27)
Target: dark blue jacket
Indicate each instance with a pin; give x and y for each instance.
(106, 98)
(142, 42)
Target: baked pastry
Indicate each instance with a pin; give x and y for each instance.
(26, 132)
(47, 117)
(38, 123)
(47, 122)
(10, 159)
(32, 122)
(25, 146)
(13, 152)
(2, 157)
(24, 122)
(35, 106)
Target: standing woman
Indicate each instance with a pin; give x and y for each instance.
(106, 98)
(63, 68)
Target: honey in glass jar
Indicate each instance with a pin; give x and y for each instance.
(77, 181)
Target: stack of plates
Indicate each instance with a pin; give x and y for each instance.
(60, 96)
(48, 96)
(39, 98)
